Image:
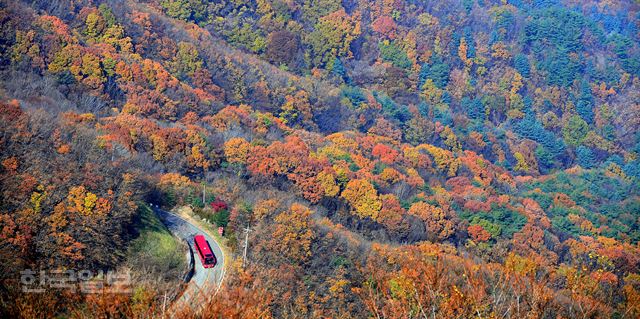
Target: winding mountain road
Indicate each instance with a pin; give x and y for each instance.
(206, 282)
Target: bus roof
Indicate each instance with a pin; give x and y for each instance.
(202, 243)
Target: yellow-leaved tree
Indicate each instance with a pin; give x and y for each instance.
(236, 150)
(363, 197)
(292, 234)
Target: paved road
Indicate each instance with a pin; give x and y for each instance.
(205, 282)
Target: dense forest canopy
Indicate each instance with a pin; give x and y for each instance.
(393, 158)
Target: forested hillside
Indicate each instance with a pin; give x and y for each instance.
(392, 158)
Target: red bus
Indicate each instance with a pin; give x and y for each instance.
(207, 257)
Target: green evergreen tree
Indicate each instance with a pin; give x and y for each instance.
(584, 105)
(521, 64)
(585, 157)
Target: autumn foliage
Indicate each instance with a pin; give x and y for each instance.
(392, 159)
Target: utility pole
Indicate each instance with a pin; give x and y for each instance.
(246, 244)
(164, 305)
(204, 186)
